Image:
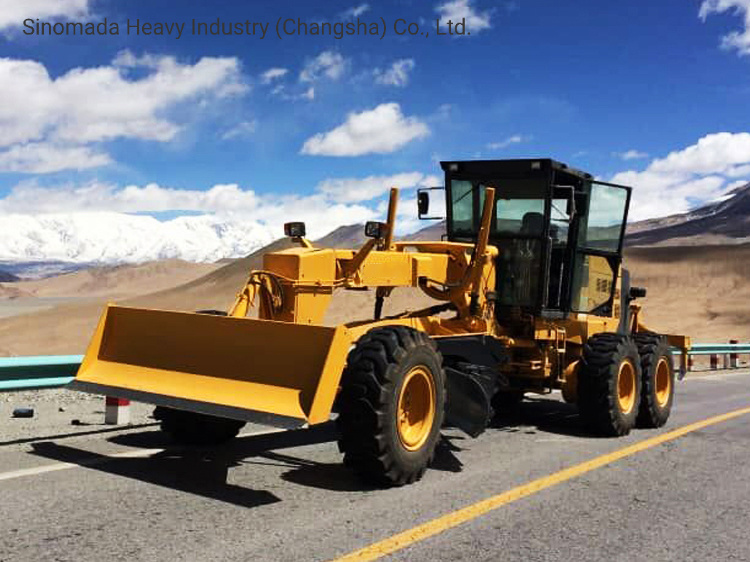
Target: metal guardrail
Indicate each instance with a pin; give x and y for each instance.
(55, 371)
(46, 371)
(719, 348)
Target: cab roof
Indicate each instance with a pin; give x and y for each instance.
(519, 167)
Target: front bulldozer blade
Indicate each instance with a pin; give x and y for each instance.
(224, 366)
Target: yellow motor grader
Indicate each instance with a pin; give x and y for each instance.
(530, 293)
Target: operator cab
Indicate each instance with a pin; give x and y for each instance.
(559, 233)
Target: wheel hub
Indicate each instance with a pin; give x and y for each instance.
(626, 385)
(662, 382)
(416, 408)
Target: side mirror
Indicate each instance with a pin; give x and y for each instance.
(423, 202)
(374, 229)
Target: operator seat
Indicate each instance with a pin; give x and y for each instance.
(532, 224)
(518, 265)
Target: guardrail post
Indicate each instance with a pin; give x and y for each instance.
(116, 411)
(714, 361)
(733, 356)
(690, 363)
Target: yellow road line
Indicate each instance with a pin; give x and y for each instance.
(455, 518)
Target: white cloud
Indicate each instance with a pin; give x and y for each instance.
(45, 158)
(515, 139)
(739, 40)
(335, 202)
(738, 172)
(243, 129)
(13, 12)
(273, 74)
(328, 64)
(456, 10)
(29, 197)
(381, 130)
(395, 75)
(631, 155)
(351, 190)
(355, 11)
(715, 153)
(128, 99)
(688, 177)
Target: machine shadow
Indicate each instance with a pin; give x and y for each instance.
(203, 471)
(193, 472)
(542, 414)
(25, 440)
(337, 477)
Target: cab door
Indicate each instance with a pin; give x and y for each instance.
(599, 249)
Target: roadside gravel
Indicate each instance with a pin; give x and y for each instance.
(59, 413)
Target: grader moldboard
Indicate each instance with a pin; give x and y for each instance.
(533, 297)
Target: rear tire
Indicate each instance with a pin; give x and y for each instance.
(609, 384)
(657, 390)
(391, 405)
(192, 428)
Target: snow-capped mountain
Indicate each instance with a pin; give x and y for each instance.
(119, 238)
(724, 221)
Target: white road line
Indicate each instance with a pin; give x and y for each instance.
(134, 454)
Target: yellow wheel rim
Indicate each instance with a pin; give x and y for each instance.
(416, 408)
(662, 382)
(626, 386)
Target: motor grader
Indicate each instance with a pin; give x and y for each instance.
(530, 296)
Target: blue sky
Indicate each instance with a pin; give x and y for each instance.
(655, 94)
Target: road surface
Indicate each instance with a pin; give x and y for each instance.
(286, 496)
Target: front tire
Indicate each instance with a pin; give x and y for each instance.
(657, 393)
(609, 384)
(391, 405)
(192, 428)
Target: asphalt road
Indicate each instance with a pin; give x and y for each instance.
(285, 495)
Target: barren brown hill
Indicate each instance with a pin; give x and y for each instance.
(702, 291)
(699, 290)
(349, 236)
(117, 281)
(66, 329)
(12, 291)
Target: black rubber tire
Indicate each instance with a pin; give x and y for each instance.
(653, 348)
(192, 428)
(598, 384)
(368, 402)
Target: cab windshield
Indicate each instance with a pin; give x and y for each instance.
(519, 207)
